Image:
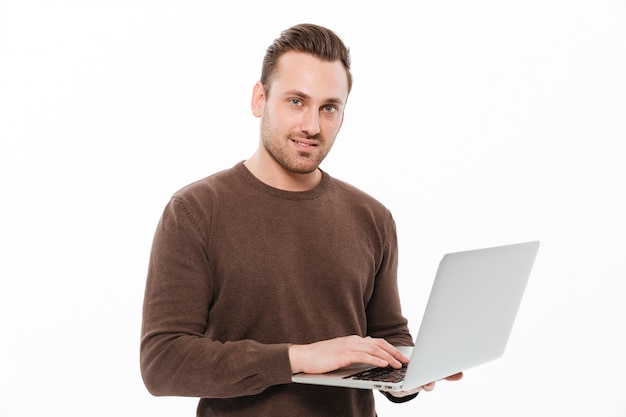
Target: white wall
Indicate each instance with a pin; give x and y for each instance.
(477, 123)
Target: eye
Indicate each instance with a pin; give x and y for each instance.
(296, 102)
(329, 108)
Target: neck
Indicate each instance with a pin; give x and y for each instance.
(274, 175)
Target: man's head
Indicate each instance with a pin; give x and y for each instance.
(307, 71)
(312, 39)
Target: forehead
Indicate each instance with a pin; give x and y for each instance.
(311, 75)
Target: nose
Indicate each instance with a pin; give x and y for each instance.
(310, 122)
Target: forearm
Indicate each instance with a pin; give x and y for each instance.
(184, 365)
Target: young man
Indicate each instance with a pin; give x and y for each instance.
(273, 267)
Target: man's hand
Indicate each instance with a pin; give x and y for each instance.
(328, 355)
(427, 387)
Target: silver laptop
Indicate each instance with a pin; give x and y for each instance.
(468, 319)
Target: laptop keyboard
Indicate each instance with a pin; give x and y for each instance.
(388, 374)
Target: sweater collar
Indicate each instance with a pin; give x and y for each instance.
(258, 185)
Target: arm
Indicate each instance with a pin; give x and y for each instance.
(384, 311)
(177, 357)
(386, 296)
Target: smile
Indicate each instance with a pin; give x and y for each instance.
(306, 145)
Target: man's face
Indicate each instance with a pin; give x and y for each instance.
(303, 112)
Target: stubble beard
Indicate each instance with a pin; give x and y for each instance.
(279, 149)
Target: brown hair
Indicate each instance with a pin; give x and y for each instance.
(309, 38)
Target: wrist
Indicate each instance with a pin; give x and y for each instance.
(399, 399)
(295, 355)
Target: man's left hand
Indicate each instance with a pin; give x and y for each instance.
(427, 387)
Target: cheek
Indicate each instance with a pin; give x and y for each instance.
(331, 127)
(284, 119)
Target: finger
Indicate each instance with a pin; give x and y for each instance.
(377, 357)
(400, 394)
(429, 387)
(455, 377)
(390, 351)
(382, 352)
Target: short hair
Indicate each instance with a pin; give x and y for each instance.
(312, 39)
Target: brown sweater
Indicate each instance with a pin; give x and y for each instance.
(239, 270)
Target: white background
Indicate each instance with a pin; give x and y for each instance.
(476, 122)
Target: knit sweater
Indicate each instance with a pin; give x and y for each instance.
(240, 270)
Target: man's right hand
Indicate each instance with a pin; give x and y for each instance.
(328, 355)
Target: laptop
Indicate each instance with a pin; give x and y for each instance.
(468, 319)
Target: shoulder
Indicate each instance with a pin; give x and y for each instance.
(210, 186)
(359, 203)
(200, 198)
(356, 195)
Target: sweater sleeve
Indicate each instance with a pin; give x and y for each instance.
(384, 311)
(399, 400)
(176, 356)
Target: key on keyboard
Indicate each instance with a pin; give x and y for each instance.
(387, 374)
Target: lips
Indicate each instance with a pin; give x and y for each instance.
(304, 144)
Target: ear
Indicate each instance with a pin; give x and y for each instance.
(258, 99)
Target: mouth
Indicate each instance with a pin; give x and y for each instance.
(304, 144)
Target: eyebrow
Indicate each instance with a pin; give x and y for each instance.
(331, 100)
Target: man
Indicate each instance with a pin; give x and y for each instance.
(273, 267)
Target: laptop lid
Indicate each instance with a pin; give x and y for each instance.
(468, 318)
